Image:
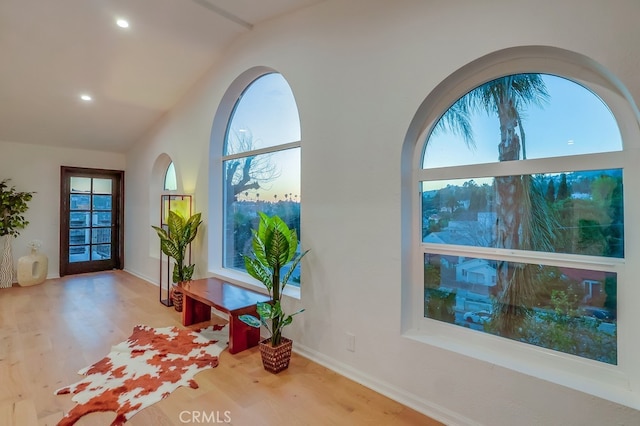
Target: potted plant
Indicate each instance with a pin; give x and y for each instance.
(274, 245)
(12, 206)
(174, 242)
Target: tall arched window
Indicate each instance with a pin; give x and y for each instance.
(520, 220)
(260, 164)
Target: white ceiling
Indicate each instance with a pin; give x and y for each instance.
(51, 51)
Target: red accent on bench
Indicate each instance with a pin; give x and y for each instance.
(200, 295)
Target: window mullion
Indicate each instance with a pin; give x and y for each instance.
(601, 161)
(266, 150)
(525, 256)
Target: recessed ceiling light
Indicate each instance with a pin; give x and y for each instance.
(570, 142)
(122, 23)
(85, 97)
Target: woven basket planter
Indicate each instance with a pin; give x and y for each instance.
(176, 298)
(276, 359)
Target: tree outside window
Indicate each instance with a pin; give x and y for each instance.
(261, 165)
(575, 213)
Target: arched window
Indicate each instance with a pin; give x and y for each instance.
(520, 217)
(170, 180)
(500, 288)
(260, 164)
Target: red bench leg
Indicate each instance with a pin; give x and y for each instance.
(194, 311)
(241, 335)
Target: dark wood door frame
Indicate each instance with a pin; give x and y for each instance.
(117, 254)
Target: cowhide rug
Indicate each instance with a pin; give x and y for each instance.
(146, 368)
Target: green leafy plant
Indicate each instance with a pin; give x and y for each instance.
(274, 245)
(12, 206)
(174, 242)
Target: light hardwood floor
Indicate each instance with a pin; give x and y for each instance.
(50, 331)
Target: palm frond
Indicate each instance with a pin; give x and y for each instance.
(538, 220)
(530, 89)
(520, 89)
(457, 121)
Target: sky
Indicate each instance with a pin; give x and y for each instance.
(83, 184)
(575, 121)
(267, 114)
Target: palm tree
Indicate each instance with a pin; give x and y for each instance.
(520, 206)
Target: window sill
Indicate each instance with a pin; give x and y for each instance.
(605, 381)
(244, 280)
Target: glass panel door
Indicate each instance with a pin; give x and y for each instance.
(90, 225)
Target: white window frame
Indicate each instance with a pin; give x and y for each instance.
(619, 383)
(221, 121)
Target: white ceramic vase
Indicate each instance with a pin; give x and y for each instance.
(32, 269)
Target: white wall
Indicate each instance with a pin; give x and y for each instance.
(359, 70)
(36, 168)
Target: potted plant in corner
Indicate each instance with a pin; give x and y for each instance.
(12, 206)
(274, 245)
(174, 242)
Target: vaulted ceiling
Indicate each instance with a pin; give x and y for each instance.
(52, 52)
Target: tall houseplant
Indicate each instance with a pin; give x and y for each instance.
(174, 242)
(13, 205)
(274, 246)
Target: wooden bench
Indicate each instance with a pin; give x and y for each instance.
(199, 296)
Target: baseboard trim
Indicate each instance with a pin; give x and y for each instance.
(427, 408)
(142, 277)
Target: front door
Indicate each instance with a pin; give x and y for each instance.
(91, 219)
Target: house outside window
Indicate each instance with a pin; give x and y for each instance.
(573, 212)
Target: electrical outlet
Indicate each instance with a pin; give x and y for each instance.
(351, 342)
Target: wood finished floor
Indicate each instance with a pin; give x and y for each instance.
(50, 331)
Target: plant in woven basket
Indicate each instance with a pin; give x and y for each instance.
(274, 246)
(174, 242)
(176, 297)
